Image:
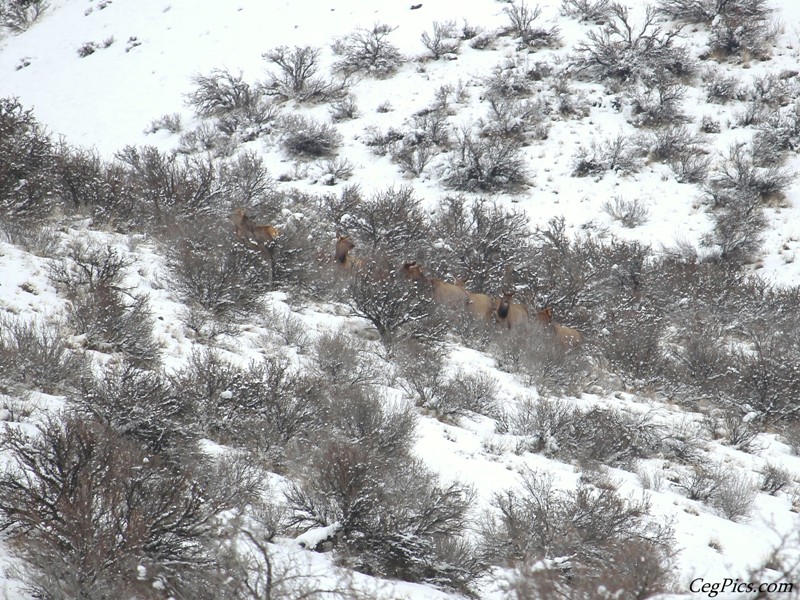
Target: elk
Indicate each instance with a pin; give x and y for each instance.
(480, 305)
(509, 314)
(444, 293)
(341, 256)
(245, 229)
(566, 336)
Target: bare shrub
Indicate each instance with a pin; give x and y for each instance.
(109, 315)
(521, 24)
(630, 213)
(594, 11)
(76, 497)
(721, 88)
(237, 106)
(703, 480)
(616, 154)
(738, 176)
(344, 108)
(468, 393)
(334, 170)
(139, 404)
(390, 223)
(19, 15)
(539, 522)
(224, 277)
(27, 162)
(736, 428)
(639, 357)
(343, 360)
(34, 355)
(544, 422)
(392, 519)
(775, 479)
(297, 77)
(43, 241)
(776, 136)
(306, 138)
(265, 407)
(477, 239)
(735, 496)
(365, 416)
(485, 164)
(624, 52)
(368, 51)
(656, 100)
(443, 40)
(686, 153)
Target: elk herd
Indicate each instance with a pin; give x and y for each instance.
(503, 310)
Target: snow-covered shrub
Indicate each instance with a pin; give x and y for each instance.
(443, 40)
(624, 52)
(140, 405)
(368, 51)
(594, 11)
(391, 222)
(344, 108)
(107, 314)
(737, 27)
(303, 137)
(775, 479)
(34, 355)
(722, 88)
(210, 269)
(521, 25)
(539, 522)
(616, 154)
(76, 495)
(297, 78)
(656, 100)
(630, 212)
(476, 239)
(468, 393)
(515, 118)
(485, 164)
(735, 496)
(27, 162)
(392, 518)
(735, 428)
(18, 15)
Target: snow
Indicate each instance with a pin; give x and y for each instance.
(107, 100)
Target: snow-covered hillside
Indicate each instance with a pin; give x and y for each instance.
(677, 406)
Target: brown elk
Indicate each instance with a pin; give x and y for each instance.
(341, 254)
(481, 306)
(245, 229)
(509, 314)
(568, 337)
(444, 293)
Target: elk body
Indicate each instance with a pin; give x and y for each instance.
(341, 254)
(245, 229)
(444, 293)
(510, 314)
(480, 306)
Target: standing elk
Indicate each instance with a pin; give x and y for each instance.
(568, 337)
(509, 314)
(246, 230)
(341, 254)
(481, 306)
(444, 293)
